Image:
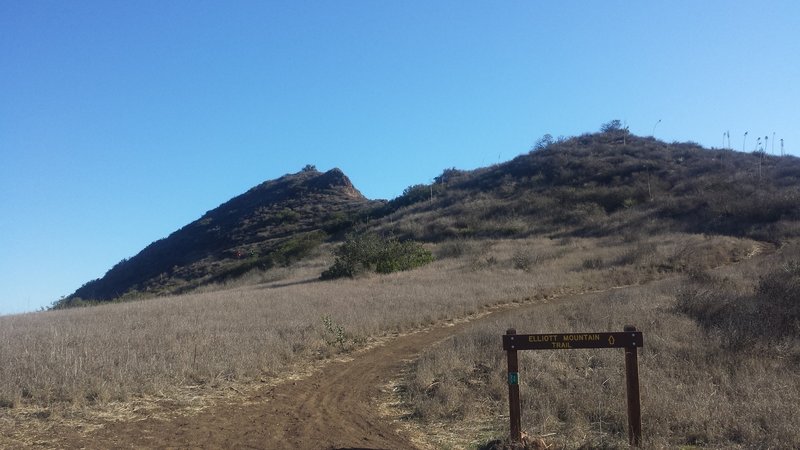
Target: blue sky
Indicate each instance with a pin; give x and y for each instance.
(120, 122)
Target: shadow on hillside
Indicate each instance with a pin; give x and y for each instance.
(289, 283)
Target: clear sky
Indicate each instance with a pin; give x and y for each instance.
(120, 122)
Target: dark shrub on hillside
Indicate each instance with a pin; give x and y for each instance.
(777, 300)
(368, 252)
(612, 126)
(708, 299)
(413, 194)
(766, 316)
(356, 255)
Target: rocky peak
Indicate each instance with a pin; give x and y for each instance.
(335, 179)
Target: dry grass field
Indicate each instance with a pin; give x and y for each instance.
(704, 384)
(72, 364)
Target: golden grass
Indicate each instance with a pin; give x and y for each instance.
(696, 391)
(185, 348)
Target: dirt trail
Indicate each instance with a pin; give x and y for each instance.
(335, 408)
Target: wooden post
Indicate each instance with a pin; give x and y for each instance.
(632, 393)
(513, 391)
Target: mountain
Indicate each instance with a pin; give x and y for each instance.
(610, 183)
(273, 223)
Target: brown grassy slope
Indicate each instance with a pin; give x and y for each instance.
(706, 379)
(120, 351)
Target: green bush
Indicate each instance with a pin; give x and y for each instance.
(368, 252)
(396, 256)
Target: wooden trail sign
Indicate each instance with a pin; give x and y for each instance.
(630, 340)
(571, 340)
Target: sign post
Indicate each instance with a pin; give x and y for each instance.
(630, 340)
(632, 393)
(513, 392)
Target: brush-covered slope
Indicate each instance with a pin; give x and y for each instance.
(273, 223)
(607, 183)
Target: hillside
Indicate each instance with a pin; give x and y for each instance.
(274, 223)
(608, 183)
(603, 184)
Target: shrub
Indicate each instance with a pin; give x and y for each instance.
(777, 301)
(543, 142)
(73, 302)
(611, 126)
(521, 260)
(423, 192)
(356, 255)
(454, 248)
(416, 193)
(398, 256)
(448, 175)
(339, 222)
(334, 332)
(768, 315)
(366, 252)
(287, 215)
(298, 247)
(592, 263)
